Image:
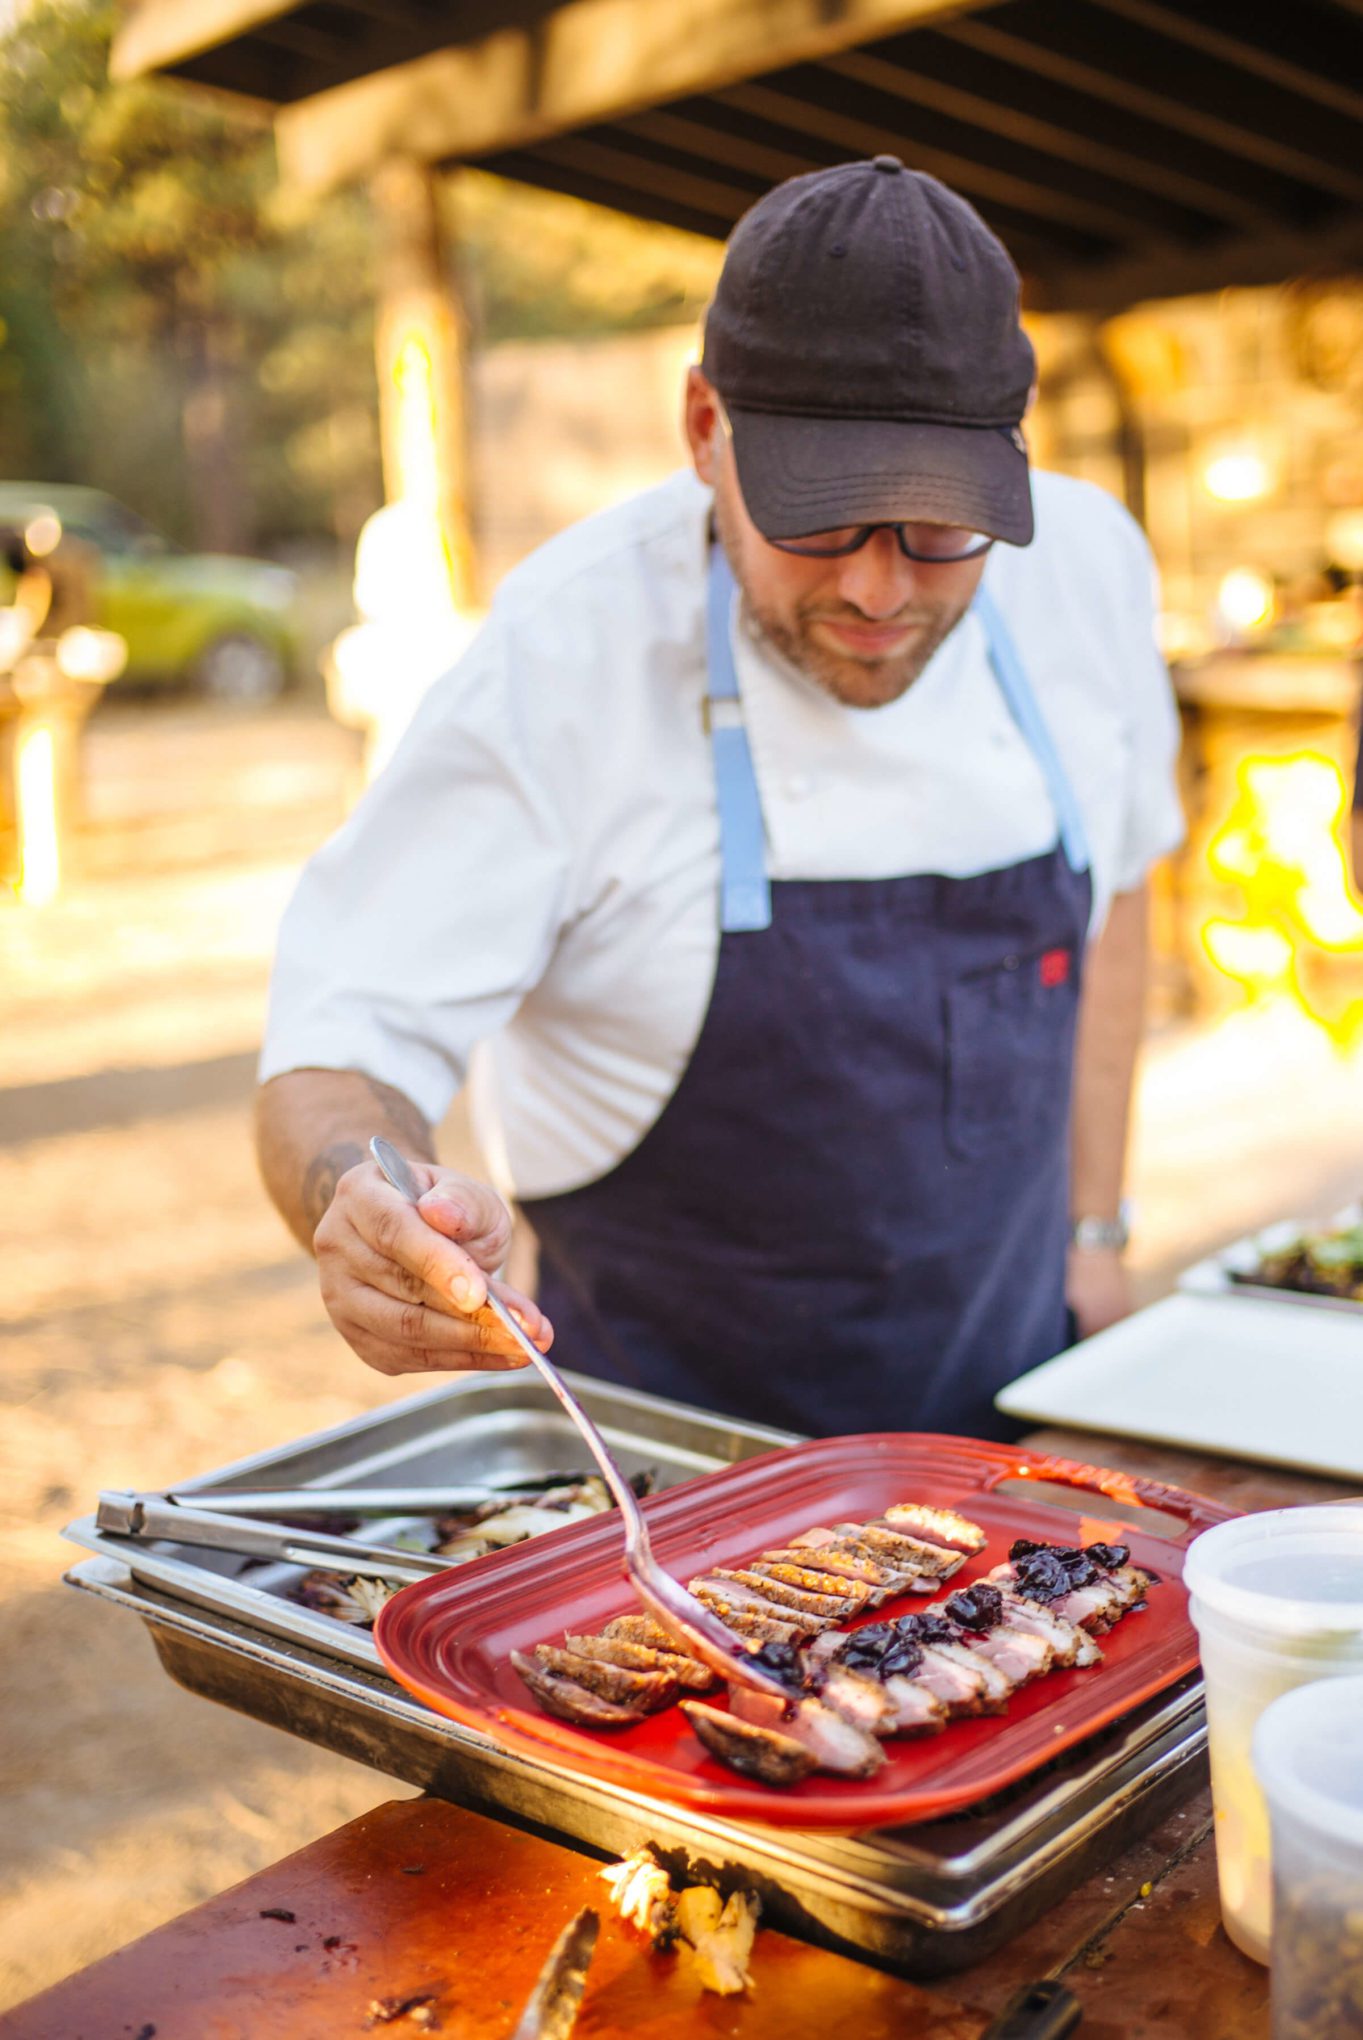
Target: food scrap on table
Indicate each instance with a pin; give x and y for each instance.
(714, 1934)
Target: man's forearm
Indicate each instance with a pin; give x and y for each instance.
(313, 1125)
(1111, 1023)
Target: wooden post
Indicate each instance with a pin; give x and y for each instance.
(421, 348)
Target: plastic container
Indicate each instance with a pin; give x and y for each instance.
(1278, 1602)
(1308, 1754)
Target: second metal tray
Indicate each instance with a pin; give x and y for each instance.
(498, 1428)
(925, 1900)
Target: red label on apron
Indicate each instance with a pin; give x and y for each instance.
(1055, 967)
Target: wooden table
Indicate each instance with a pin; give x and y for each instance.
(423, 1917)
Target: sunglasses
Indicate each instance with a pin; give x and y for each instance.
(931, 545)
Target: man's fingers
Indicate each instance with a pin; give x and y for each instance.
(527, 1314)
(397, 1231)
(474, 1215)
(402, 1338)
(402, 1285)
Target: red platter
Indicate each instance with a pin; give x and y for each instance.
(448, 1639)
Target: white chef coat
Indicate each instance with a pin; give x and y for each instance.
(535, 875)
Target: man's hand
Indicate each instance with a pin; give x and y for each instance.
(1097, 1288)
(406, 1284)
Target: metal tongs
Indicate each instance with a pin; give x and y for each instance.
(666, 1600)
(151, 1517)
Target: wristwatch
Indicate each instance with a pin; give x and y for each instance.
(1091, 1235)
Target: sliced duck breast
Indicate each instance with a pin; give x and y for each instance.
(648, 1690)
(688, 1672)
(940, 1526)
(571, 1701)
(837, 1744)
(794, 1569)
(912, 1552)
(858, 1697)
(643, 1629)
(753, 1751)
(917, 1710)
(825, 1607)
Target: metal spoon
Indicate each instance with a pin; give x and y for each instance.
(680, 1613)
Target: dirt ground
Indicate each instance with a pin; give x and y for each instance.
(155, 1319)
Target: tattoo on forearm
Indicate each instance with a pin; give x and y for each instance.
(402, 1114)
(324, 1173)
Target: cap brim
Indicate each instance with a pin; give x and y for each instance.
(804, 475)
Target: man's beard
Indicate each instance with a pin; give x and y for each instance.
(871, 682)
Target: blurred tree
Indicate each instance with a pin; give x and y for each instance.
(177, 330)
(171, 332)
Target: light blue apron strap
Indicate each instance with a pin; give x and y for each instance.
(1017, 692)
(745, 893)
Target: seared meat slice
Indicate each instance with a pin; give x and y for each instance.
(998, 1686)
(751, 1627)
(646, 1690)
(793, 1569)
(824, 1607)
(1020, 1656)
(761, 1753)
(1094, 1607)
(838, 1551)
(1072, 1645)
(987, 1607)
(914, 1552)
(942, 1526)
(857, 1697)
(643, 1629)
(922, 1686)
(915, 1710)
(1093, 1587)
(733, 1597)
(688, 1672)
(835, 1743)
(571, 1702)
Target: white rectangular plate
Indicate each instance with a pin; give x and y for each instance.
(1277, 1382)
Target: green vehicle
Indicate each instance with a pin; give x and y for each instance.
(224, 625)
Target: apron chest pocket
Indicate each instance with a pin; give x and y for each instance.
(1010, 1044)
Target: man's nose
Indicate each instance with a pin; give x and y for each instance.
(877, 579)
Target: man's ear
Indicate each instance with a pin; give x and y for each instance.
(701, 424)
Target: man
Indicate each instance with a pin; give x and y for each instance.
(758, 847)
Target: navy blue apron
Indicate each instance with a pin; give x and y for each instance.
(852, 1214)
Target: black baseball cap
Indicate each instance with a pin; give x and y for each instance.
(864, 338)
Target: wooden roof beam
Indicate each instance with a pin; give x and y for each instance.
(1017, 117)
(988, 67)
(1239, 264)
(544, 172)
(158, 33)
(687, 129)
(1271, 43)
(587, 62)
(1034, 40)
(973, 179)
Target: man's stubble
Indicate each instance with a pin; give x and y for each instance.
(856, 683)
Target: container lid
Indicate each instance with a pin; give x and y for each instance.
(1284, 1573)
(1308, 1753)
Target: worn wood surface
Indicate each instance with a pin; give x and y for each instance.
(423, 1901)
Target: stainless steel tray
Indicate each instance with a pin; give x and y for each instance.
(1224, 1273)
(925, 1900)
(500, 1428)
